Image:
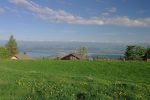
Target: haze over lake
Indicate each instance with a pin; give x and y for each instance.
(58, 49)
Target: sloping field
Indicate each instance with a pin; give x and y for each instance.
(74, 80)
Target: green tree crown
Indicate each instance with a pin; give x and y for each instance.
(134, 53)
(12, 46)
(83, 52)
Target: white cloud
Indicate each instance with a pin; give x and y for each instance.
(125, 21)
(2, 10)
(109, 11)
(105, 14)
(61, 16)
(112, 10)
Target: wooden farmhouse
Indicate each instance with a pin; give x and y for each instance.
(72, 56)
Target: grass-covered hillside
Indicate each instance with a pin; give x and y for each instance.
(74, 80)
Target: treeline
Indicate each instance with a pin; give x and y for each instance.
(9, 49)
(137, 53)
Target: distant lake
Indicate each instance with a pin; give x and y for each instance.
(111, 56)
(53, 49)
(60, 49)
(54, 55)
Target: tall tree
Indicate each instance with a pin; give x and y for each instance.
(147, 53)
(12, 46)
(83, 52)
(134, 53)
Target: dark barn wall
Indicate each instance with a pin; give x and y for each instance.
(70, 57)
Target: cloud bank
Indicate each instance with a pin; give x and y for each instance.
(61, 16)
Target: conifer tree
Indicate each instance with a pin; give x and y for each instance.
(12, 46)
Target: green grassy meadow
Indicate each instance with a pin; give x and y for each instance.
(74, 80)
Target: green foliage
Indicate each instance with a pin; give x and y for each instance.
(3, 53)
(74, 80)
(12, 46)
(147, 54)
(134, 53)
(83, 51)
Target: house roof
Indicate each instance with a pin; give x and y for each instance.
(22, 56)
(78, 56)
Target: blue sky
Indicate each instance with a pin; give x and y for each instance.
(117, 21)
